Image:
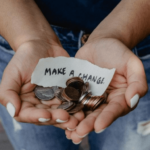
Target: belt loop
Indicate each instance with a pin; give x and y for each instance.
(135, 51)
(79, 40)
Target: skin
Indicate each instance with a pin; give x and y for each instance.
(129, 80)
(108, 46)
(32, 38)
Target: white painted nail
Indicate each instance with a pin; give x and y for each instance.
(11, 109)
(83, 135)
(61, 121)
(100, 131)
(77, 143)
(71, 129)
(134, 100)
(43, 120)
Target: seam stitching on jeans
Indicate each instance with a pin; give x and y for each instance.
(79, 40)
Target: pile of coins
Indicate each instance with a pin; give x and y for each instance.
(75, 97)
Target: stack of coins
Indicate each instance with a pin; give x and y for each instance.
(75, 97)
(92, 102)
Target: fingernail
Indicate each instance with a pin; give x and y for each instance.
(100, 131)
(71, 129)
(43, 120)
(77, 143)
(61, 121)
(11, 109)
(83, 135)
(134, 100)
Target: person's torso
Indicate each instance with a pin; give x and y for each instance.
(76, 14)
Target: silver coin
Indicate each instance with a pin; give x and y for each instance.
(44, 93)
(86, 101)
(55, 88)
(65, 105)
(84, 94)
(77, 108)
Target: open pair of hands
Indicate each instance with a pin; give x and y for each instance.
(127, 86)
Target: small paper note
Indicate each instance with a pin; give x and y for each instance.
(56, 71)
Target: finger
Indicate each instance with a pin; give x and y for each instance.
(114, 109)
(9, 96)
(117, 82)
(41, 106)
(79, 115)
(68, 134)
(59, 115)
(30, 97)
(10, 90)
(73, 121)
(31, 114)
(87, 124)
(54, 106)
(49, 103)
(75, 139)
(27, 88)
(71, 124)
(137, 85)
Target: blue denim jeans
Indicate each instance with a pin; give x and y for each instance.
(121, 135)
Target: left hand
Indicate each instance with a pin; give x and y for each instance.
(127, 86)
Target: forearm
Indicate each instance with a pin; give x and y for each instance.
(22, 21)
(129, 22)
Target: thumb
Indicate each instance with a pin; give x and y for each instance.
(9, 93)
(136, 79)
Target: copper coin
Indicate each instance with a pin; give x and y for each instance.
(65, 105)
(77, 108)
(44, 93)
(96, 102)
(71, 93)
(99, 102)
(105, 96)
(86, 102)
(86, 99)
(74, 79)
(76, 83)
(90, 102)
(83, 95)
(85, 87)
(96, 105)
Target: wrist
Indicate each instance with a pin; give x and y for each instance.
(124, 37)
(33, 38)
(128, 23)
(41, 48)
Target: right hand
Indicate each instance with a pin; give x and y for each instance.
(16, 90)
(127, 86)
